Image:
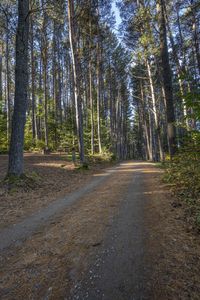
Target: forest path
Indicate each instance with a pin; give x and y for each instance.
(121, 270)
(118, 238)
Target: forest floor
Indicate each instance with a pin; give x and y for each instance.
(124, 237)
(53, 177)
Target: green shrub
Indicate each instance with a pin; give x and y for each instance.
(183, 173)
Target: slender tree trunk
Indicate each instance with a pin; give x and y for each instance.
(167, 79)
(91, 107)
(33, 80)
(54, 74)
(99, 68)
(90, 89)
(8, 84)
(39, 120)
(155, 112)
(144, 121)
(45, 78)
(16, 165)
(46, 136)
(117, 124)
(151, 156)
(1, 78)
(98, 98)
(59, 96)
(76, 73)
(111, 107)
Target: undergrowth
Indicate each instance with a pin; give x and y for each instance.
(25, 182)
(183, 174)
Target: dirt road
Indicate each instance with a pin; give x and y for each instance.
(119, 270)
(117, 238)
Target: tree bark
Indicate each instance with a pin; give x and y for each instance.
(45, 61)
(8, 83)
(1, 79)
(76, 75)
(98, 98)
(155, 113)
(16, 162)
(33, 81)
(90, 89)
(167, 79)
(181, 69)
(144, 121)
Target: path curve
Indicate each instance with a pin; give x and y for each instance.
(18, 232)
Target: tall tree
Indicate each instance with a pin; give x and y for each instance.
(76, 77)
(167, 78)
(1, 74)
(34, 129)
(45, 74)
(16, 162)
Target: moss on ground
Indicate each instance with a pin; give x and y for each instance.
(26, 181)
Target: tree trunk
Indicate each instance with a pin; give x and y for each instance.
(54, 74)
(181, 70)
(98, 98)
(45, 61)
(46, 136)
(33, 81)
(167, 79)
(39, 119)
(1, 79)
(8, 84)
(91, 107)
(155, 113)
(144, 121)
(90, 90)
(16, 165)
(76, 73)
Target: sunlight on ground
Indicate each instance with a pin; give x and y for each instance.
(53, 165)
(122, 170)
(154, 192)
(132, 163)
(129, 169)
(101, 174)
(153, 171)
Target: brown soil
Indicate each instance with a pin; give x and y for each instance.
(53, 177)
(173, 246)
(48, 265)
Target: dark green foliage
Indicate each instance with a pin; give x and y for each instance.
(183, 173)
(3, 136)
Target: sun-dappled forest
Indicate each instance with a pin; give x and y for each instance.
(115, 80)
(100, 149)
(69, 78)
(109, 79)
